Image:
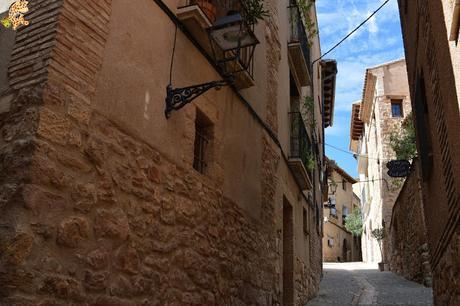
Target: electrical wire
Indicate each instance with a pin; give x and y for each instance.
(351, 33)
(355, 154)
(172, 56)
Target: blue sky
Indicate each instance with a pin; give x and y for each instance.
(378, 41)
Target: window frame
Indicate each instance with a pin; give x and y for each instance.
(399, 103)
(202, 143)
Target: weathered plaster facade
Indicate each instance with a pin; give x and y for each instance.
(100, 204)
(430, 32)
(371, 130)
(339, 245)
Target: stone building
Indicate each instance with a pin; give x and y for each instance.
(339, 244)
(384, 106)
(409, 252)
(431, 35)
(105, 201)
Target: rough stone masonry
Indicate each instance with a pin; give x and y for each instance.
(91, 215)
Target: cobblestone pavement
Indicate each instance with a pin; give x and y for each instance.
(363, 284)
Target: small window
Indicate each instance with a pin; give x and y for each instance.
(203, 137)
(344, 214)
(333, 212)
(396, 108)
(344, 185)
(305, 222)
(330, 242)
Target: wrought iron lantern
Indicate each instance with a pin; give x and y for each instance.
(233, 44)
(333, 187)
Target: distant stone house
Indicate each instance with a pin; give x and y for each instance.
(339, 245)
(105, 201)
(384, 106)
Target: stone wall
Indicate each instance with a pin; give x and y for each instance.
(109, 221)
(409, 253)
(432, 64)
(395, 86)
(92, 214)
(446, 276)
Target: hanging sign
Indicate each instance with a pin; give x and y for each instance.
(398, 168)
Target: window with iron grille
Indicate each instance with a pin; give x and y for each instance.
(203, 138)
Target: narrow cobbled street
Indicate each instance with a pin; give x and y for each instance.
(363, 284)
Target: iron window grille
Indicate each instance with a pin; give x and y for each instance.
(202, 143)
(300, 142)
(298, 33)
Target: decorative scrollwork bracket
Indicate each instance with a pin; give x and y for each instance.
(176, 98)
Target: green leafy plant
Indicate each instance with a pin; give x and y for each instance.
(403, 142)
(310, 26)
(309, 160)
(396, 183)
(354, 222)
(6, 22)
(379, 234)
(255, 11)
(309, 112)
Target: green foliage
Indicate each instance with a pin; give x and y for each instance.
(6, 22)
(354, 222)
(396, 183)
(378, 234)
(255, 11)
(305, 8)
(309, 112)
(309, 160)
(403, 142)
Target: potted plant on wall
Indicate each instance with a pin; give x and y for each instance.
(379, 234)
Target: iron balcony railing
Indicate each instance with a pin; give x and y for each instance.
(298, 33)
(300, 142)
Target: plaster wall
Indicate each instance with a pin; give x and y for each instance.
(334, 226)
(448, 13)
(106, 173)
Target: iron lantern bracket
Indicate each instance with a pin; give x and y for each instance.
(176, 98)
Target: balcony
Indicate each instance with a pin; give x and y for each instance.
(300, 152)
(299, 48)
(199, 15)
